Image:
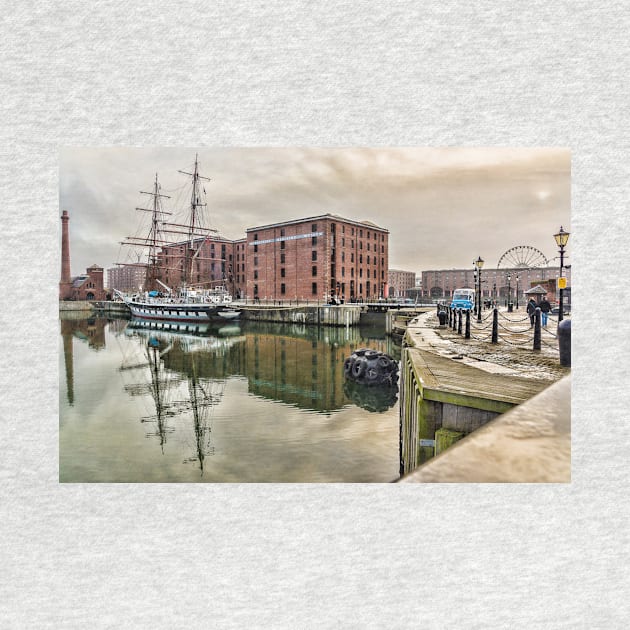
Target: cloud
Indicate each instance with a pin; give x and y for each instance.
(443, 206)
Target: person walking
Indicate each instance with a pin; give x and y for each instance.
(545, 308)
(531, 310)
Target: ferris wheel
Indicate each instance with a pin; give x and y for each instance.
(523, 256)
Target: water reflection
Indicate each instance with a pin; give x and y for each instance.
(297, 365)
(178, 375)
(375, 398)
(180, 384)
(90, 330)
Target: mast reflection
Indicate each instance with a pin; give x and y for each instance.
(174, 354)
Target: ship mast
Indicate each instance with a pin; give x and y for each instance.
(196, 206)
(153, 272)
(153, 241)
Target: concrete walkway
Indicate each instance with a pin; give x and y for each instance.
(530, 442)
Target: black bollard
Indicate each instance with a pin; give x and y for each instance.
(537, 329)
(459, 321)
(564, 342)
(495, 325)
(467, 335)
(454, 320)
(442, 318)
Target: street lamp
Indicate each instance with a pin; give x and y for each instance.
(562, 238)
(479, 264)
(517, 292)
(509, 298)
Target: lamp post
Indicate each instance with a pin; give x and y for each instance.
(562, 238)
(517, 292)
(509, 298)
(479, 264)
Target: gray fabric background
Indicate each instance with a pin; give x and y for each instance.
(308, 73)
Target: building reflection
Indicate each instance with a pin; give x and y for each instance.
(90, 330)
(297, 365)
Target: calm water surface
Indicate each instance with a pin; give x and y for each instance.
(244, 403)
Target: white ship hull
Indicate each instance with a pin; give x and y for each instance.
(181, 312)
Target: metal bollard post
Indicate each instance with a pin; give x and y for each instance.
(454, 320)
(564, 342)
(459, 322)
(495, 325)
(537, 329)
(467, 335)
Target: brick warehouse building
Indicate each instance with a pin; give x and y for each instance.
(400, 281)
(212, 263)
(313, 259)
(440, 284)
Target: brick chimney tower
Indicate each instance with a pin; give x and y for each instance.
(65, 284)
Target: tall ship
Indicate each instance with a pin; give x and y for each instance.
(175, 248)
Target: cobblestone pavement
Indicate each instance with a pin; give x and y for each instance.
(513, 353)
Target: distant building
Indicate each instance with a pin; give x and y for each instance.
(440, 284)
(313, 259)
(128, 279)
(87, 286)
(400, 281)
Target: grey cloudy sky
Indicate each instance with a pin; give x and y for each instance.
(443, 207)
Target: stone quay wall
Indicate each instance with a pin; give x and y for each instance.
(309, 315)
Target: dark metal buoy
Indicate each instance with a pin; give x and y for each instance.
(370, 367)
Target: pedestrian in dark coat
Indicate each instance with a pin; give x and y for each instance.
(545, 308)
(531, 310)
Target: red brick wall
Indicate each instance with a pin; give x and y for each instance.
(349, 260)
(210, 267)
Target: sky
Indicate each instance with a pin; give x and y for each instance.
(443, 207)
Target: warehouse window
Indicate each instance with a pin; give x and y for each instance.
(314, 288)
(282, 272)
(314, 270)
(314, 255)
(283, 288)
